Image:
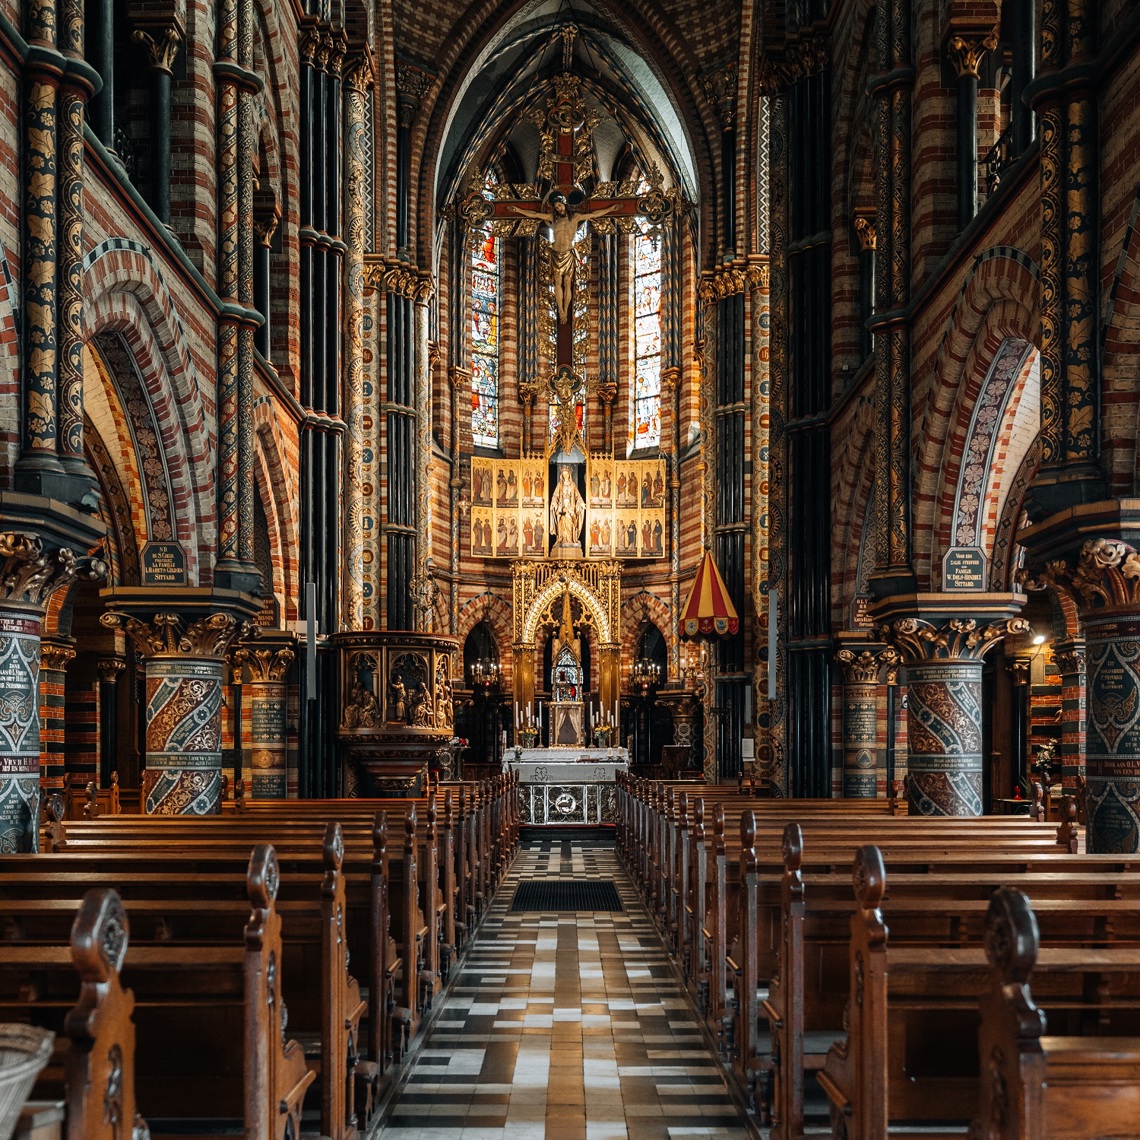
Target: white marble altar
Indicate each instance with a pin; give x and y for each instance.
(561, 786)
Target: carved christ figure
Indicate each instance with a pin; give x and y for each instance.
(567, 511)
(563, 223)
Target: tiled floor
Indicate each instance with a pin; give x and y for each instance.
(565, 1026)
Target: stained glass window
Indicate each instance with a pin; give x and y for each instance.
(580, 336)
(645, 409)
(485, 281)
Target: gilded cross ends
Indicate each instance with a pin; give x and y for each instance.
(30, 575)
(965, 55)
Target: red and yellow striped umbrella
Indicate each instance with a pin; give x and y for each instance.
(708, 608)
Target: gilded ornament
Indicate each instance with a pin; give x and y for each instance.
(28, 575)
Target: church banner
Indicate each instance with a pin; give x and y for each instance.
(509, 508)
(625, 508)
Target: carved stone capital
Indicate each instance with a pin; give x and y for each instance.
(720, 86)
(161, 45)
(265, 227)
(55, 655)
(859, 668)
(865, 233)
(265, 663)
(1019, 670)
(670, 379)
(459, 378)
(729, 280)
(359, 74)
(412, 83)
(1070, 659)
(956, 639)
(107, 669)
(29, 575)
(966, 54)
(167, 633)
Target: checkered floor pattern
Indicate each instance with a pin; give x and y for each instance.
(565, 1027)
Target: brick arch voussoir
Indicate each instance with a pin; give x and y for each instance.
(180, 425)
(500, 618)
(280, 498)
(1002, 332)
(645, 607)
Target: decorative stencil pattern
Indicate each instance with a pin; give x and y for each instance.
(944, 724)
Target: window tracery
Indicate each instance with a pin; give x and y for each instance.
(645, 398)
(486, 280)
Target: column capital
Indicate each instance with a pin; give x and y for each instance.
(107, 669)
(1070, 656)
(1019, 668)
(55, 654)
(860, 666)
(161, 43)
(265, 662)
(170, 634)
(865, 233)
(965, 52)
(31, 573)
(947, 626)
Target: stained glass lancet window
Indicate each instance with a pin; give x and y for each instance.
(485, 282)
(645, 407)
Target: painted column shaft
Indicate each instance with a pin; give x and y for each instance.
(267, 706)
(1070, 658)
(183, 735)
(19, 728)
(1113, 759)
(862, 771)
(54, 657)
(944, 730)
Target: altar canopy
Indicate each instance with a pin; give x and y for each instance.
(708, 608)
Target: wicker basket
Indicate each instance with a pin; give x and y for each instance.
(24, 1051)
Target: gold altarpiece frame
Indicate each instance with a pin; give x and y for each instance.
(595, 591)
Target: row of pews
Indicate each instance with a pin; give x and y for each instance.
(974, 977)
(261, 974)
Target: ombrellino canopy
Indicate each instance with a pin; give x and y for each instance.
(708, 608)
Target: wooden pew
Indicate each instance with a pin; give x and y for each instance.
(808, 992)
(208, 1018)
(1038, 1086)
(910, 1053)
(327, 1008)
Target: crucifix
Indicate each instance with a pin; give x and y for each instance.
(565, 164)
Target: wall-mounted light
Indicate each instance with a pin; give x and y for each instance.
(1039, 639)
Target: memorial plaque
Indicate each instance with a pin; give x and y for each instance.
(861, 613)
(163, 564)
(964, 568)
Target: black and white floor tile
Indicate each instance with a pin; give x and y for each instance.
(565, 1026)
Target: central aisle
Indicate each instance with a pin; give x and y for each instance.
(565, 1026)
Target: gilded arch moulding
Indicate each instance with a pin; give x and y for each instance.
(596, 585)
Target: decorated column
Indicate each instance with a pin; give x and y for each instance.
(29, 575)
(268, 665)
(184, 657)
(1107, 583)
(943, 655)
(1070, 656)
(864, 775)
(55, 654)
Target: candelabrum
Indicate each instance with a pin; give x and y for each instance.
(645, 674)
(486, 673)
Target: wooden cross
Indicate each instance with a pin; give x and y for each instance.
(565, 163)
